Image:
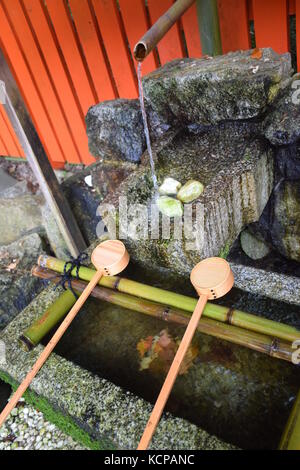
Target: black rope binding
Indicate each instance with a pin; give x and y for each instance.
(67, 276)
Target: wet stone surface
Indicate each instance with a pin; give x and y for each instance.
(282, 124)
(115, 130)
(236, 169)
(17, 287)
(207, 91)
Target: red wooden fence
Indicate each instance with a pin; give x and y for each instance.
(67, 55)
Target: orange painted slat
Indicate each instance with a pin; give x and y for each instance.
(250, 10)
(92, 49)
(43, 83)
(14, 55)
(3, 150)
(10, 138)
(271, 24)
(115, 44)
(135, 21)
(70, 108)
(191, 31)
(234, 25)
(170, 47)
(62, 24)
(292, 7)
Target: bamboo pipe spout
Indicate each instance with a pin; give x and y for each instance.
(147, 43)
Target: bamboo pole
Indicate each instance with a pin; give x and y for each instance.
(147, 43)
(209, 28)
(291, 436)
(43, 325)
(183, 302)
(255, 341)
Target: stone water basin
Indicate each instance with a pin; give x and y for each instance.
(228, 393)
(240, 396)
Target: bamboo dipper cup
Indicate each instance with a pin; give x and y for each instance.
(212, 278)
(110, 258)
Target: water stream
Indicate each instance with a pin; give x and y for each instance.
(146, 128)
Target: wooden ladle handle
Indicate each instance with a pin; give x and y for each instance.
(50, 346)
(172, 374)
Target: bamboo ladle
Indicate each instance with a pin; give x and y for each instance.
(109, 258)
(212, 278)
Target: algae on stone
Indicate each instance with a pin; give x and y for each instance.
(282, 124)
(230, 86)
(285, 225)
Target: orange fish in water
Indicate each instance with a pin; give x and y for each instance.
(157, 352)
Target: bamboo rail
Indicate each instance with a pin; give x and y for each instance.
(213, 311)
(291, 436)
(56, 312)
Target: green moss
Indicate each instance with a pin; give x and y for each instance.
(63, 422)
(224, 251)
(273, 92)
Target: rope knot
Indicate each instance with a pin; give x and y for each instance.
(66, 278)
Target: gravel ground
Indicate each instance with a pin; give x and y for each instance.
(27, 429)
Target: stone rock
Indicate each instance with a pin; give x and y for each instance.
(115, 130)
(285, 220)
(254, 247)
(236, 169)
(169, 206)
(55, 238)
(107, 175)
(5, 392)
(6, 181)
(169, 187)
(19, 215)
(190, 191)
(17, 286)
(282, 124)
(288, 161)
(84, 201)
(207, 91)
(17, 189)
